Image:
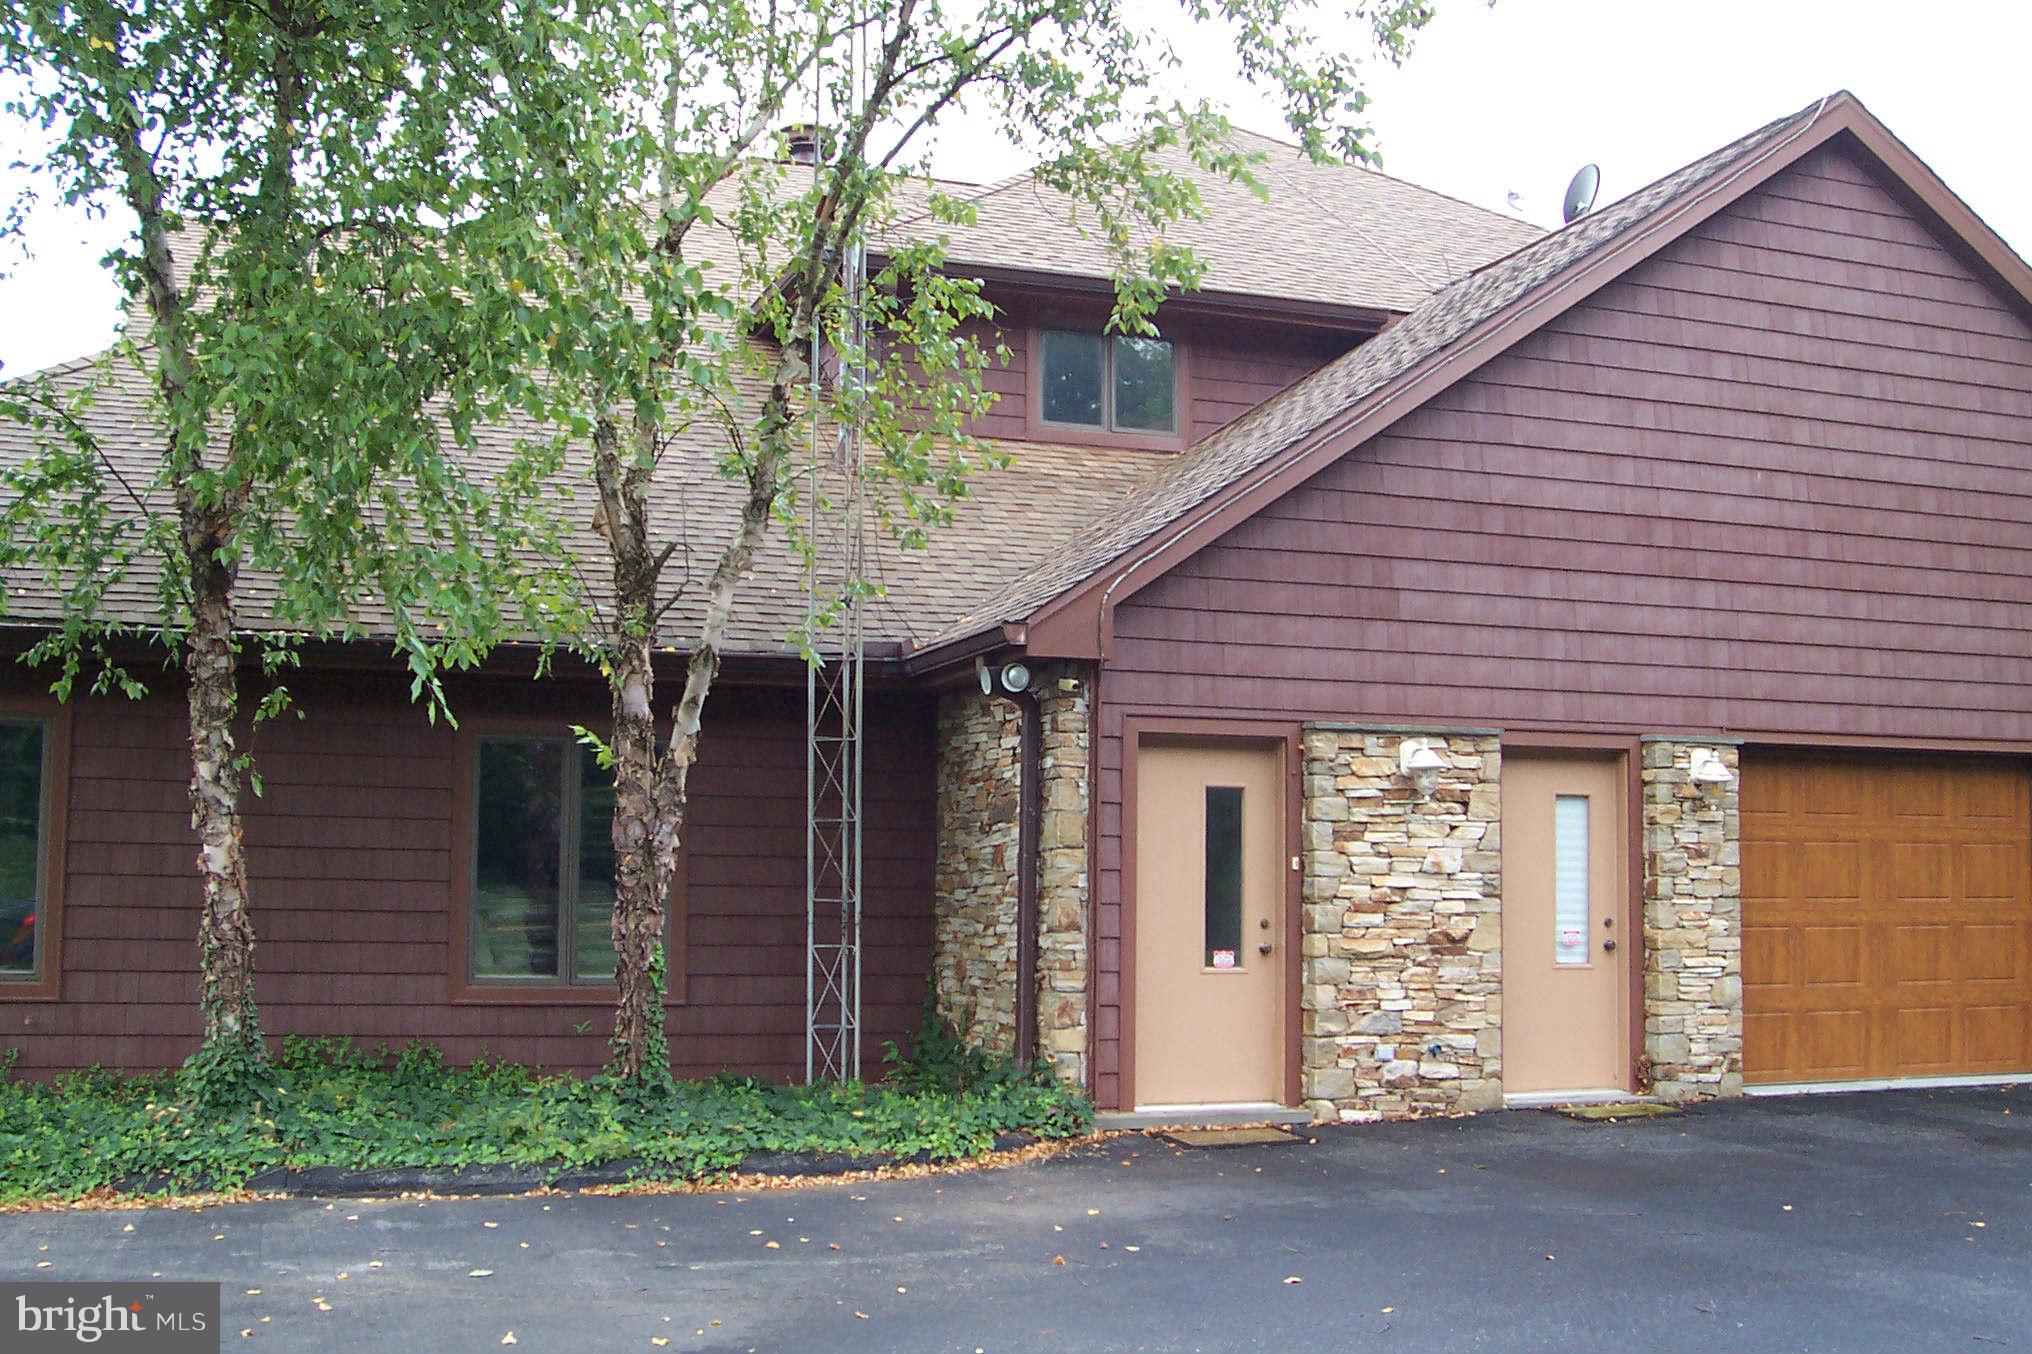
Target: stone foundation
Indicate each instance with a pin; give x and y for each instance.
(1693, 936)
(979, 800)
(1403, 948)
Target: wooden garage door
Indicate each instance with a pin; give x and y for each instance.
(1887, 917)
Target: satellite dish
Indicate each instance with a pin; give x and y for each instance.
(1580, 194)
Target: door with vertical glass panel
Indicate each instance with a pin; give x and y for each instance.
(1566, 992)
(1209, 931)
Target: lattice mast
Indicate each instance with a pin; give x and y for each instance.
(835, 538)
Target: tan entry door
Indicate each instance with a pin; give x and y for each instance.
(1566, 983)
(1209, 941)
(1887, 917)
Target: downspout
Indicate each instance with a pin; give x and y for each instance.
(1012, 683)
(1029, 820)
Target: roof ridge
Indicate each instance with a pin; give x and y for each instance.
(71, 366)
(1379, 172)
(1817, 106)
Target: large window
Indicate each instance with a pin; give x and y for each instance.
(1113, 382)
(543, 863)
(22, 888)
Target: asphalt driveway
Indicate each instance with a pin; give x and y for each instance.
(1888, 1221)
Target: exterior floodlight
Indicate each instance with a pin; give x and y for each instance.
(985, 675)
(1421, 764)
(1015, 678)
(1707, 770)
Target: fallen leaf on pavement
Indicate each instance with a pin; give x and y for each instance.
(509, 1338)
(1293, 1278)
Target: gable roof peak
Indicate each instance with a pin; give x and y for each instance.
(1066, 600)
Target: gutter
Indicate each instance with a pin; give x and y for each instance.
(971, 649)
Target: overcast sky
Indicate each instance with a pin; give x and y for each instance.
(1497, 100)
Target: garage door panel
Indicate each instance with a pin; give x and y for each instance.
(1770, 958)
(1825, 872)
(1923, 954)
(1988, 872)
(1998, 1038)
(1835, 1039)
(1921, 1042)
(1767, 1044)
(1993, 953)
(1831, 956)
(1920, 871)
(1887, 916)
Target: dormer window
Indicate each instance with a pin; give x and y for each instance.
(1113, 382)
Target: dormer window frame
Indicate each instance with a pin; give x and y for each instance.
(1038, 428)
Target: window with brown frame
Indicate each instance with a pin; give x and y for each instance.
(1113, 382)
(24, 803)
(542, 884)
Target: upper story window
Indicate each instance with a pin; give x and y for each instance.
(1114, 382)
(22, 828)
(543, 863)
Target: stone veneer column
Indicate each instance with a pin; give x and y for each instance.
(1693, 932)
(974, 891)
(1063, 948)
(1403, 947)
(974, 905)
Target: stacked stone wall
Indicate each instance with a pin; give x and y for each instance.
(1693, 925)
(979, 803)
(1403, 946)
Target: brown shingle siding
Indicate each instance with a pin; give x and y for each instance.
(350, 849)
(1790, 496)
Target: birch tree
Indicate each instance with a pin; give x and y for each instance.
(290, 169)
(695, 277)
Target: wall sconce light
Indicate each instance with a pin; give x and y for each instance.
(1011, 678)
(1421, 764)
(1707, 771)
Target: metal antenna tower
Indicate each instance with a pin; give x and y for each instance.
(835, 543)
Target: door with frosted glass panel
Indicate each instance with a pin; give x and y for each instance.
(1209, 1003)
(1566, 992)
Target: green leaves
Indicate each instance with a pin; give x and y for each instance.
(304, 188)
(326, 1103)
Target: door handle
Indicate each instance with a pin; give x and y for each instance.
(1264, 948)
(1609, 945)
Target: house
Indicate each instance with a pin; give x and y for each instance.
(1457, 665)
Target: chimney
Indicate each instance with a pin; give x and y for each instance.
(800, 143)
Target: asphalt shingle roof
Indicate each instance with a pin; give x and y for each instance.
(1341, 234)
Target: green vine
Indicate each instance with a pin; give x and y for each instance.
(652, 1080)
(326, 1103)
(230, 1072)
